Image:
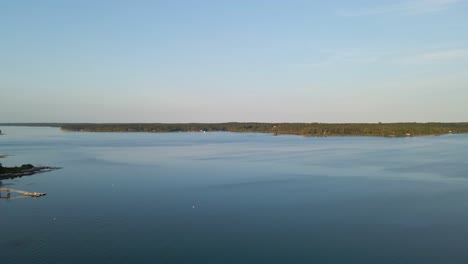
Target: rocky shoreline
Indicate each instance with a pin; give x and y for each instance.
(27, 172)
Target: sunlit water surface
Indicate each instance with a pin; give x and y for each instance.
(235, 198)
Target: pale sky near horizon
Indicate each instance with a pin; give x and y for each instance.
(220, 61)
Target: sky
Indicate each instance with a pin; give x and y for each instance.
(221, 61)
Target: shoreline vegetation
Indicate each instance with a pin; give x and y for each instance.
(23, 170)
(302, 129)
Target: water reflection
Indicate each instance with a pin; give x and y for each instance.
(235, 198)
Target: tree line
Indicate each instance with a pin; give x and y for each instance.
(306, 129)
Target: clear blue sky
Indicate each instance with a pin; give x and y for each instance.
(216, 61)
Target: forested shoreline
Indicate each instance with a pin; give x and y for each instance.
(305, 129)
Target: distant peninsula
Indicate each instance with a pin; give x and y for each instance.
(23, 170)
(303, 129)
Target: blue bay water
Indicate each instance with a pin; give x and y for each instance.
(235, 198)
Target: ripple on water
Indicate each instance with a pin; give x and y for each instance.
(24, 250)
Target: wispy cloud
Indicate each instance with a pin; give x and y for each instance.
(331, 57)
(437, 56)
(404, 8)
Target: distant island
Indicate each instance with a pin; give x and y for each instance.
(303, 129)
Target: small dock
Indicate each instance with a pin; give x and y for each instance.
(34, 194)
(8, 192)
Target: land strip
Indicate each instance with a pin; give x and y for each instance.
(24, 170)
(304, 129)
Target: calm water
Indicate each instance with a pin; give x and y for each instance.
(235, 198)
